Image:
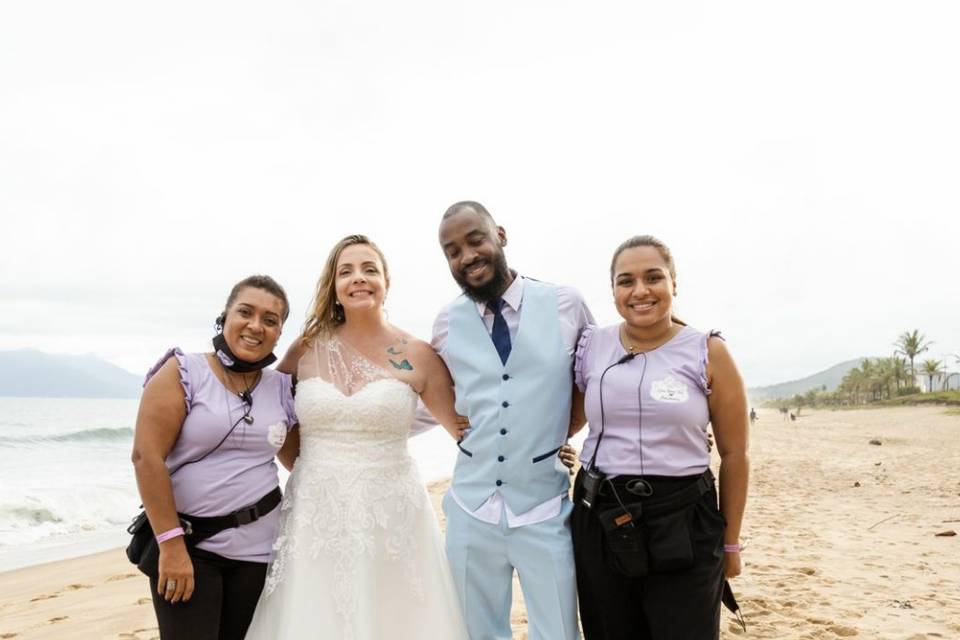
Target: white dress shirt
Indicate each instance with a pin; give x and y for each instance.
(574, 316)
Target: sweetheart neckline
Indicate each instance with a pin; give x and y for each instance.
(361, 389)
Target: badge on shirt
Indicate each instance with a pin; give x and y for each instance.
(277, 434)
(669, 389)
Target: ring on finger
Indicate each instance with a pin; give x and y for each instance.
(171, 585)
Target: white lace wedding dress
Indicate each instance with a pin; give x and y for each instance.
(359, 554)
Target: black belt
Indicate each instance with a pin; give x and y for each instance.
(674, 500)
(254, 512)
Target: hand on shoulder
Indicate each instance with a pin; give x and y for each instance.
(292, 357)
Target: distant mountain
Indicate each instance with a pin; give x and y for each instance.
(829, 378)
(28, 373)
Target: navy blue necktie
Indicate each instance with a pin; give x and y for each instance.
(500, 333)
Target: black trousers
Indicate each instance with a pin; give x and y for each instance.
(681, 605)
(224, 598)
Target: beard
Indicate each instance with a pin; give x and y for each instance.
(494, 288)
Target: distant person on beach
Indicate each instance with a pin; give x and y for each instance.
(753, 415)
(508, 342)
(208, 430)
(653, 550)
(359, 554)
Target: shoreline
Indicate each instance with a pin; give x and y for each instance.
(57, 550)
(73, 530)
(95, 595)
(840, 541)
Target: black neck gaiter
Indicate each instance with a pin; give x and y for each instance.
(232, 362)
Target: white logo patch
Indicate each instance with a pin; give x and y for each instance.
(277, 434)
(669, 390)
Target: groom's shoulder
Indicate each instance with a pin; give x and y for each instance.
(444, 311)
(442, 321)
(566, 294)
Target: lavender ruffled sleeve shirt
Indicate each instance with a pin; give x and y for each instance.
(243, 469)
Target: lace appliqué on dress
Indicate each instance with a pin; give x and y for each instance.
(344, 366)
(354, 495)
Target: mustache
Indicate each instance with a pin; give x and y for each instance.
(465, 268)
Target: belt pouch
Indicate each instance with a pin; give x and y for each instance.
(143, 549)
(668, 539)
(623, 533)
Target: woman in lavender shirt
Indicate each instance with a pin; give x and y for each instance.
(209, 429)
(652, 549)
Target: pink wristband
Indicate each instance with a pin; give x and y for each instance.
(166, 535)
(732, 548)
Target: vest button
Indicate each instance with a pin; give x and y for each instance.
(506, 376)
(505, 404)
(499, 482)
(503, 432)
(500, 458)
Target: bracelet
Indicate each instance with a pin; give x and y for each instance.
(167, 535)
(732, 548)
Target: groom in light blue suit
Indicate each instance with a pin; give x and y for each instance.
(509, 343)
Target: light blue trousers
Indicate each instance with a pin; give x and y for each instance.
(482, 559)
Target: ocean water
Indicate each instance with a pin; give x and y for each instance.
(67, 486)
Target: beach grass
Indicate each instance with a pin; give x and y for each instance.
(947, 398)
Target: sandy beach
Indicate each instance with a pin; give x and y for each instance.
(841, 540)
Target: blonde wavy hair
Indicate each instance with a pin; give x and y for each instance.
(325, 314)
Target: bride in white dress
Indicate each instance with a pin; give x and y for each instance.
(359, 554)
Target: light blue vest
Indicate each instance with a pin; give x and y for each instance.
(519, 412)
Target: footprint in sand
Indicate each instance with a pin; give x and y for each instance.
(77, 587)
(8, 635)
(45, 596)
(144, 601)
(135, 635)
(844, 632)
(122, 576)
(735, 629)
(57, 619)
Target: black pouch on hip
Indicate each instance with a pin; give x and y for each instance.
(625, 540)
(668, 539)
(142, 535)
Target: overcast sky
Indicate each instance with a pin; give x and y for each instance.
(801, 159)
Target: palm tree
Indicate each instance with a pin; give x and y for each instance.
(856, 379)
(932, 368)
(886, 374)
(946, 379)
(899, 370)
(869, 371)
(911, 344)
(852, 382)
